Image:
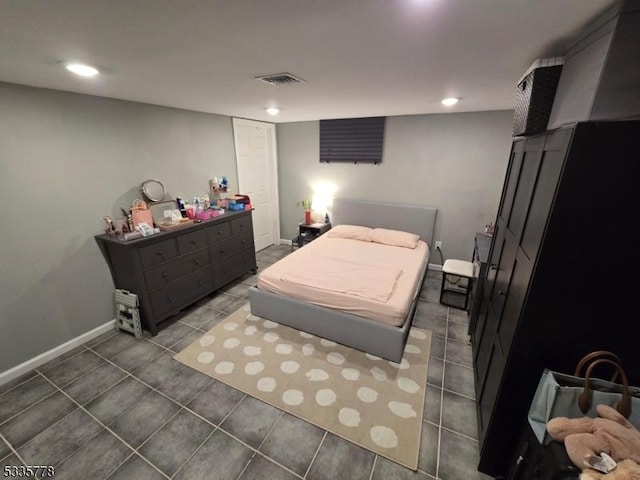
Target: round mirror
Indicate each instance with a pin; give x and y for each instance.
(153, 190)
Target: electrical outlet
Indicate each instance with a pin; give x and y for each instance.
(438, 245)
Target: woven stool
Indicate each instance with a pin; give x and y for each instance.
(462, 270)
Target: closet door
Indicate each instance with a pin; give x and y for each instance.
(489, 355)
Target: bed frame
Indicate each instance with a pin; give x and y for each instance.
(370, 336)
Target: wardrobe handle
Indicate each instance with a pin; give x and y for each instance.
(501, 293)
(165, 274)
(493, 266)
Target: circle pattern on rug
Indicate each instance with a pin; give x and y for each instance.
(378, 374)
(253, 368)
(271, 337)
(206, 357)
(308, 349)
(350, 374)
(289, 366)
(224, 368)
(269, 324)
(367, 395)
(266, 384)
(417, 334)
(325, 397)
(327, 343)
(284, 349)
(207, 340)
(230, 326)
(252, 351)
(411, 349)
(306, 335)
(293, 397)
(407, 385)
(231, 343)
(349, 417)
(317, 375)
(403, 410)
(384, 437)
(335, 358)
(251, 330)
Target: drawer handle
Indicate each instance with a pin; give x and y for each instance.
(493, 266)
(501, 293)
(200, 283)
(196, 261)
(221, 252)
(170, 299)
(165, 274)
(159, 253)
(193, 242)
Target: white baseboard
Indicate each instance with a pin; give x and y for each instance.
(284, 241)
(43, 358)
(434, 267)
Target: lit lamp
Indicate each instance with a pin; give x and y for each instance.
(322, 198)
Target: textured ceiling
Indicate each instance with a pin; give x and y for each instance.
(359, 57)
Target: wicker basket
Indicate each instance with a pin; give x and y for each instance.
(534, 100)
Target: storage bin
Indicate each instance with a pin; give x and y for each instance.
(534, 97)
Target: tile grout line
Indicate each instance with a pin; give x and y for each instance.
(461, 434)
(444, 364)
(105, 427)
(195, 451)
(12, 450)
(313, 459)
(373, 467)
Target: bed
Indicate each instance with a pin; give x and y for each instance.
(378, 328)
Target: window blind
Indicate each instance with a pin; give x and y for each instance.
(357, 140)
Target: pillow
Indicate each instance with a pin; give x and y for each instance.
(354, 232)
(395, 238)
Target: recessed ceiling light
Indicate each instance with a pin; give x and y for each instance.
(272, 110)
(82, 70)
(450, 101)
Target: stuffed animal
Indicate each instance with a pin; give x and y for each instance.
(626, 470)
(586, 438)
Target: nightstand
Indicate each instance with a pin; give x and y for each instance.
(308, 233)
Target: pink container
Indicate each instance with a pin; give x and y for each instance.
(205, 214)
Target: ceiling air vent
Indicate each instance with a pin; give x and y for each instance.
(280, 79)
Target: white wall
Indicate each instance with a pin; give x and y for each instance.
(66, 160)
(455, 162)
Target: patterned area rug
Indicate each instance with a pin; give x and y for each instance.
(366, 400)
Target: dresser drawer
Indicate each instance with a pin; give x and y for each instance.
(219, 232)
(242, 225)
(230, 246)
(234, 266)
(158, 253)
(174, 297)
(166, 273)
(192, 242)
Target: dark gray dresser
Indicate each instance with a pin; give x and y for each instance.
(171, 270)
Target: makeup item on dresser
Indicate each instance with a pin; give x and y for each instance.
(110, 227)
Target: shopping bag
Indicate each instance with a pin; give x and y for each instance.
(574, 396)
(140, 213)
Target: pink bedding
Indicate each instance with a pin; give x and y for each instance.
(368, 279)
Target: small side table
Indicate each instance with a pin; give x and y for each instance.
(308, 233)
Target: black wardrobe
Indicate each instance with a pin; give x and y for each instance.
(563, 276)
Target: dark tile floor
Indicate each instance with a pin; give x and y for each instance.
(120, 409)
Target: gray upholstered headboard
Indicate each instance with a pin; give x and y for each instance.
(409, 218)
